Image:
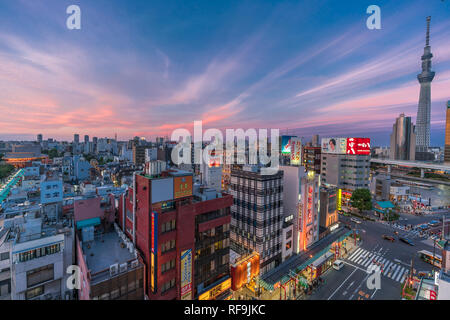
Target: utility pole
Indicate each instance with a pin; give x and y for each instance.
(434, 253)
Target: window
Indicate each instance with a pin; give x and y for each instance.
(288, 234)
(168, 285)
(168, 226)
(4, 256)
(169, 245)
(39, 252)
(30, 294)
(169, 265)
(39, 275)
(115, 294)
(288, 245)
(129, 215)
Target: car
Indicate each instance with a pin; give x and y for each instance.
(386, 237)
(407, 241)
(433, 223)
(355, 220)
(338, 265)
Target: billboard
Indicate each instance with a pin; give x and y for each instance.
(153, 250)
(186, 274)
(182, 187)
(334, 145)
(162, 189)
(358, 146)
(216, 291)
(285, 144)
(296, 151)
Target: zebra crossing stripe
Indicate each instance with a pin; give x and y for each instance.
(354, 253)
(396, 271)
(364, 254)
(400, 274)
(369, 260)
(353, 259)
(363, 257)
(393, 270)
(357, 255)
(404, 277)
(387, 266)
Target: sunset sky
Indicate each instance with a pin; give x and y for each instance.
(148, 67)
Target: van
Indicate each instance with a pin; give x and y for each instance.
(338, 264)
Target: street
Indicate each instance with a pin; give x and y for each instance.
(393, 258)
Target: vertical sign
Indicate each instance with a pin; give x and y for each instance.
(154, 250)
(186, 274)
(296, 151)
(310, 203)
(339, 200)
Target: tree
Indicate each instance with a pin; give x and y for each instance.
(361, 199)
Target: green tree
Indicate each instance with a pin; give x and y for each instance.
(361, 199)
(6, 170)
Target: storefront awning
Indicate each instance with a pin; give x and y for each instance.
(322, 259)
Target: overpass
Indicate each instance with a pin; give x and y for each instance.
(413, 164)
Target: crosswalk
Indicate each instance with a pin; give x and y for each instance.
(369, 259)
(409, 233)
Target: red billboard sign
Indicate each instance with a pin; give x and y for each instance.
(358, 146)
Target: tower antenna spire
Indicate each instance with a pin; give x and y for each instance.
(428, 31)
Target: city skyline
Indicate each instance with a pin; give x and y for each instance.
(146, 70)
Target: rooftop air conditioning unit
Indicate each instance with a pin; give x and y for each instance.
(123, 267)
(114, 269)
(134, 264)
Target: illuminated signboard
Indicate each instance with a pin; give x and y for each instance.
(285, 144)
(334, 145)
(358, 146)
(310, 203)
(296, 151)
(182, 187)
(186, 275)
(339, 200)
(216, 291)
(154, 250)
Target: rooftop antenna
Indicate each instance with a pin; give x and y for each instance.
(428, 31)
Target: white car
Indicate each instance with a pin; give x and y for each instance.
(338, 265)
(355, 220)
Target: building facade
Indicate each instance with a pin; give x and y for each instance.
(257, 215)
(183, 234)
(403, 139)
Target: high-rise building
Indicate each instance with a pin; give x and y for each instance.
(39, 138)
(311, 158)
(403, 139)
(424, 108)
(257, 215)
(315, 140)
(183, 232)
(76, 138)
(139, 154)
(345, 163)
(86, 139)
(447, 135)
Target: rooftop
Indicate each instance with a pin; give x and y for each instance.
(105, 251)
